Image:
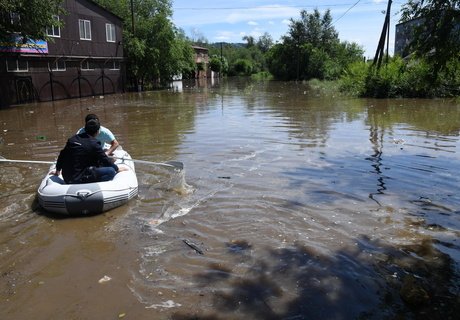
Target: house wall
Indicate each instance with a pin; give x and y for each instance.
(201, 57)
(39, 83)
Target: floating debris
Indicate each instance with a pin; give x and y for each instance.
(42, 138)
(166, 304)
(105, 279)
(193, 246)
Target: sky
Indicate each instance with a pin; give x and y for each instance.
(359, 21)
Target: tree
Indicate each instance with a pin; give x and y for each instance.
(265, 42)
(215, 63)
(243, 67)
(28, 18)
(311, 49)
(250, 41)
(156, 50)
(438, 38)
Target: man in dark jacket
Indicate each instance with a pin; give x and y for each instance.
(83, 160)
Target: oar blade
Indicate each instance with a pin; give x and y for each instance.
(176, 164)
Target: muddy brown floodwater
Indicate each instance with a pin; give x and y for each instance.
(293, 205)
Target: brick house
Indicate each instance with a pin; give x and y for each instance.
(84, 58)
(202, 62)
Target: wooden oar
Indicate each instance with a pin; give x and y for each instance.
(26, 161)
(177, 165)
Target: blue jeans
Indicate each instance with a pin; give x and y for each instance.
(105, 173)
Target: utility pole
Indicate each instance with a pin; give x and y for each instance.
(385, 34)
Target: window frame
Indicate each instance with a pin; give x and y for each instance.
(55, 65)
(115, 65)
(86, 66)
(18, 67)
(85, 26)
(53, 29)
(110, 30)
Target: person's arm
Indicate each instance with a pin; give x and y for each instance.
(113, 145)
(60, 161)
(102, 157)
(106, 136)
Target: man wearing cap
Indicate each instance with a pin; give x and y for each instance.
(104, 135)
(83, 160)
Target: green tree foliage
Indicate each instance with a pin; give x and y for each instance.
(215, 63)
(156, 51)
(438, 37)
(250, 41)
(265, 42)
(400, 78)
(243, 67)
(28, 18)
(311, 49)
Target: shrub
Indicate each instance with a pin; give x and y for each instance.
(399, 78)
(353, 80)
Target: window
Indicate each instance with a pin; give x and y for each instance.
(88, 65)
(114, 65)
(15, 18)
(110, 32)
(85, 29)
(54, 31)
(15, 65)
(58, 65)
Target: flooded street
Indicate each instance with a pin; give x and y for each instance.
(293, 205)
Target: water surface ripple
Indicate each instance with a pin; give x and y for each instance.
(293, 205)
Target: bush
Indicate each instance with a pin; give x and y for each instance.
(243, 67)
(398, 78)
(353, 80)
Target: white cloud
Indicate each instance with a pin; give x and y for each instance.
(253, 23)
(262, 13)
(226, 35)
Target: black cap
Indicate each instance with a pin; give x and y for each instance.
(92, 126)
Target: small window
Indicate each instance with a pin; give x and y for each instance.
(15, 18)
(58, 65)
(54, 31)
(85, 29)
(114, 65)
(15, 65)
(110, 32)
(88, 65)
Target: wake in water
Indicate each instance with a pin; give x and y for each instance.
(177, 183)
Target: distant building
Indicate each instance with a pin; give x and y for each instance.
(202, 61)
(84, 58)
(404, 35)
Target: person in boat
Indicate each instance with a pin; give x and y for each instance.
(83, 160)
(105, 136)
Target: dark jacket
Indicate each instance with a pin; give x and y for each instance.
(80, 153)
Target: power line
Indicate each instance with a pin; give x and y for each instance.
(346, 12)
(274, 6)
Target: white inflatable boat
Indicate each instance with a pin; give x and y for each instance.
(54, 195)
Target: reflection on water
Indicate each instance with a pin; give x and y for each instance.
(292, 205)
